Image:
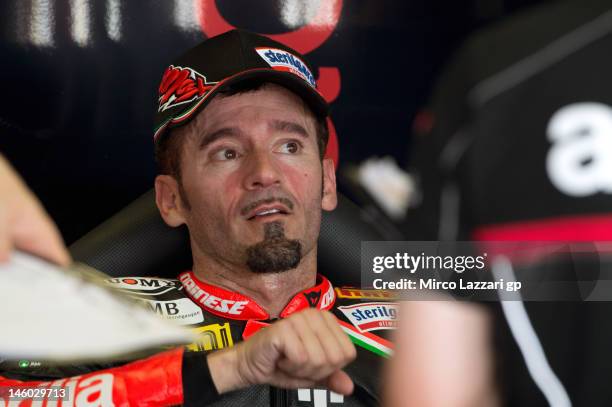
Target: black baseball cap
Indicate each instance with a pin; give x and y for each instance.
(189, 84)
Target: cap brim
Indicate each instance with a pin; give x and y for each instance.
(289, 80)
(310, 95)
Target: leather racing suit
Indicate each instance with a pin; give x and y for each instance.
(221, 318)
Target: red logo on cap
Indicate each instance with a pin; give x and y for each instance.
(181, 85)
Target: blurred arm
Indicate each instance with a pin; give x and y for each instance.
(443, 357)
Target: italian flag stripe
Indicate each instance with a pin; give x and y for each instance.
(375, 344)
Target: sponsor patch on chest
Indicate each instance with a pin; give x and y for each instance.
(212, 337)
(371, 316)
(182, 310)
(143, 286)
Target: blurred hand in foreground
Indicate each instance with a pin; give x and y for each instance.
(443, 357)
(24, 224)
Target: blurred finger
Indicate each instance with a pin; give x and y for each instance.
(5, 240)
(35, 233)
(340, 382)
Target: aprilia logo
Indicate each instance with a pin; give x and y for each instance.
(95, 390)
(181, 85)
(579, 162)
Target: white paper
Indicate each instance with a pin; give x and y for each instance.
(47, 313)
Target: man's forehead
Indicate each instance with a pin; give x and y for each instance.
(278, 106)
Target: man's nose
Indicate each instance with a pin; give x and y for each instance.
(261, 171)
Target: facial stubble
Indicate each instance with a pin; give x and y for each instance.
(275, 253)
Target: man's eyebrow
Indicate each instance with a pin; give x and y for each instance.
(218, 134)
(289, 127)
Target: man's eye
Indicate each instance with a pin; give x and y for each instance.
(226, 154)
(290, 147)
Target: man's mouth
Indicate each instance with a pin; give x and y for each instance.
(267, 211)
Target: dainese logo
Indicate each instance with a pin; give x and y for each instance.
(181, 85)
(313, 298)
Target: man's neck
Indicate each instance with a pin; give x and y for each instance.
(272, 291)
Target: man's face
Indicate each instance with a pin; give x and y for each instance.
(253, 179)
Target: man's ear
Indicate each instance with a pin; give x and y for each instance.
(330, 198)
(168, 200)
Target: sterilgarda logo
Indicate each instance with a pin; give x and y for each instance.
(371, 316)
(285, 61)
(181, 85)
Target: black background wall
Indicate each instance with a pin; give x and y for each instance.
(79, 80)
